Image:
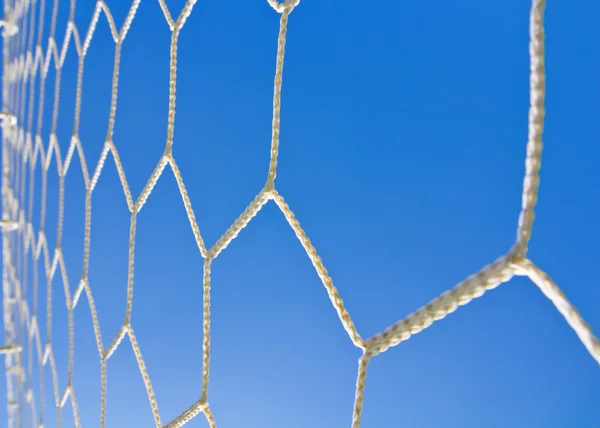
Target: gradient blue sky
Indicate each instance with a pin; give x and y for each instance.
(403, 137)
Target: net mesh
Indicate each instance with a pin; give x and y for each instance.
(23, 148)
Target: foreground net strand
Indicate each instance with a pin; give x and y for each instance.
(25, 61)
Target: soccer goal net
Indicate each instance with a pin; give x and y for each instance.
(26, 60)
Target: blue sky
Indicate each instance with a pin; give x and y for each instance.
(402, 155)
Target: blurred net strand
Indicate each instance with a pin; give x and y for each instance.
(21, 66)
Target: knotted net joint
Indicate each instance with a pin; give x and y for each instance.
(8, 225)
(287, 4)
(10, 29)
(10, 349)
(7, 119)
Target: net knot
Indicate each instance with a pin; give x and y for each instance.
(10, 349)
(287, 4)
(8, 226)
(7, 119)
(10, 29)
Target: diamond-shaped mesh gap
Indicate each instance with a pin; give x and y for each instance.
(45, 61)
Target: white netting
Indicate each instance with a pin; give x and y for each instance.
(23, 149)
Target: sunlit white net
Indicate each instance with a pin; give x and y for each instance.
(25, 60)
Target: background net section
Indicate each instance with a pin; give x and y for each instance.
(26, 59)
